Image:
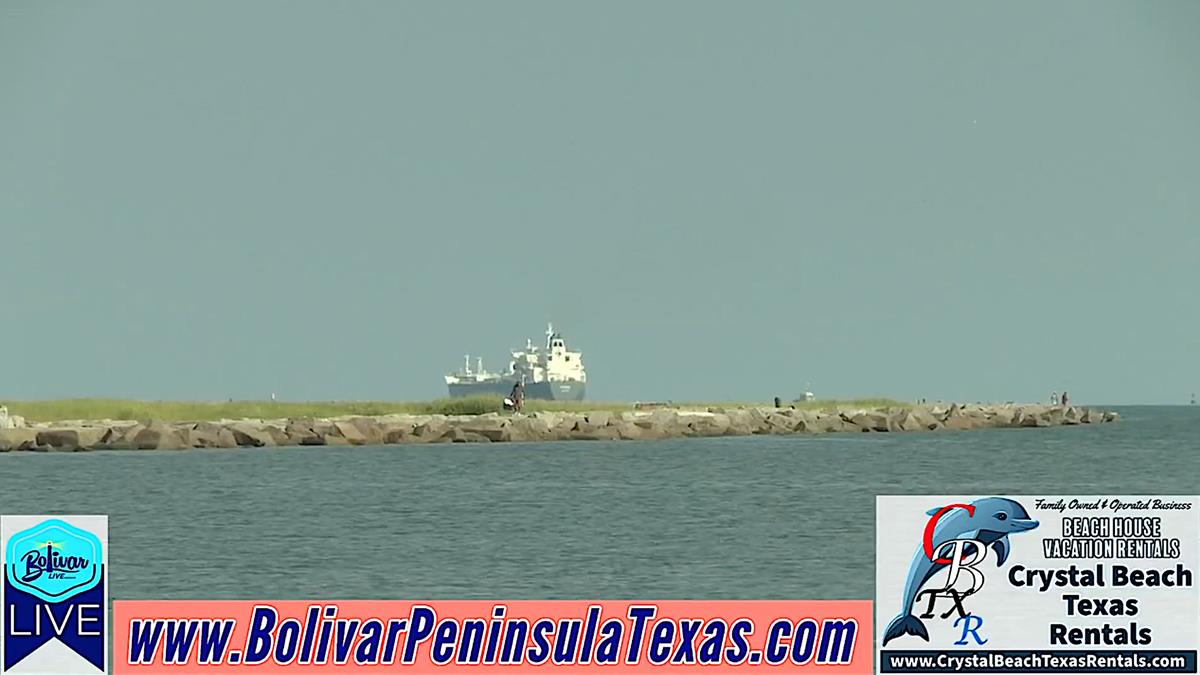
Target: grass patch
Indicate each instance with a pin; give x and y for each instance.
(181, 411)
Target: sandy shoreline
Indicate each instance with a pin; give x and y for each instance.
(84, 435)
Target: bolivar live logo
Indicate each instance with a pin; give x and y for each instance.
(55, 594)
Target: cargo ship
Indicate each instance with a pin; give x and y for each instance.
(553, 373)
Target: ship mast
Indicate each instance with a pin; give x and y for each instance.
(549, 334)
(467, 367)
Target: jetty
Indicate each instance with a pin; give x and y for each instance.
(633, 425)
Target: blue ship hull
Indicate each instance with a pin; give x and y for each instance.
(542, 391)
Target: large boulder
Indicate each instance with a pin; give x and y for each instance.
(314, 438)
(595, 433)
(91, 437)
(1027, 418)
(158, 436)
(706, 424)
(668, 422)
(1071, 416)
(823, 423)
(458, 435)
(913, 420)
(550, 419)
(531, 428)
(650, 426)
(250, 435)
(370, 428)
(1053, 415)
(17, 439)
(741, 422)
(395, 431)
(598, 419)
(209, 435)
(803, 420)
(961, 419)
(490, 425)
(839, 422)
(756, 420)
(277, 434)
(869, 420)
(777, 423)
(120, 437)
(431, 430)
(626, 429)
(1002, 417)
(583, 425)
(927, 420)
(72, 438)
(303, 431)
(810, 422)
(567, 423)
(347, 430)
(896, 420)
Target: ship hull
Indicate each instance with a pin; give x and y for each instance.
(540, 391)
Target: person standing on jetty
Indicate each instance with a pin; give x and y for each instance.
(518, 396)
(1054, 398)
(1064, 399)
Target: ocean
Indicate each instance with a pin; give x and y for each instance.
(782, 517)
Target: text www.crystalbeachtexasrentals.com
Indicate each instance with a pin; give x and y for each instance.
(1038, 662)
(639, 635)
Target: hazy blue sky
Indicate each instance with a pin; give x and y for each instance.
(714, 200)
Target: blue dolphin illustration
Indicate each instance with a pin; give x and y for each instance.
(990, 522)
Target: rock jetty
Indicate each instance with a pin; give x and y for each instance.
(538, 426)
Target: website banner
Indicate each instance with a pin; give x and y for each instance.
(489, 636)
(1037, 584)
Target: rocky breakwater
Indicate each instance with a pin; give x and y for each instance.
(539, 426)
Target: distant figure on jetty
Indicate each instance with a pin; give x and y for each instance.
(778, 402)
(1064, 399)
(518, 396)
(1054, 398)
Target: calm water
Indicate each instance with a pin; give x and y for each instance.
(757, 517)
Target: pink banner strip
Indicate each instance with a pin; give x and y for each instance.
(448, 636)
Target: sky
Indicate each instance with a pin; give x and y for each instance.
(712, 200)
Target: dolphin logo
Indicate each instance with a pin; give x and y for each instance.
(989, 521)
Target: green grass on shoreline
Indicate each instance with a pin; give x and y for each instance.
(181, 411)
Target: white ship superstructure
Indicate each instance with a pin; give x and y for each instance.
(553, 372)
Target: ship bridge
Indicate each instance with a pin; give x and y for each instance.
(562, 365)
